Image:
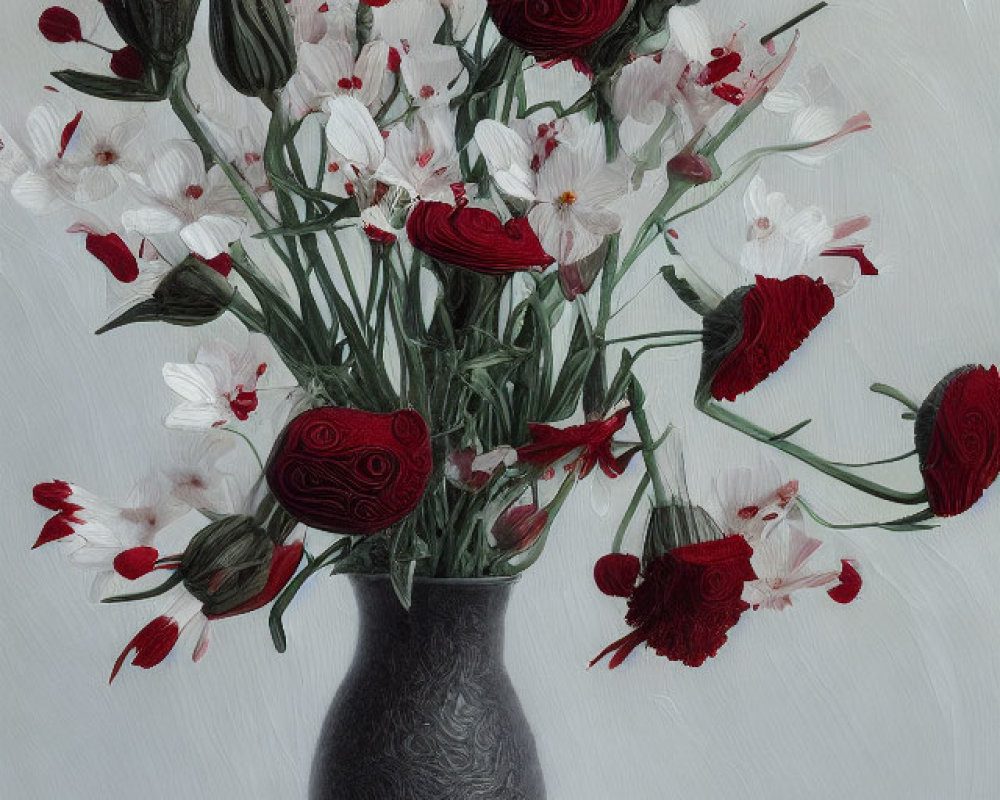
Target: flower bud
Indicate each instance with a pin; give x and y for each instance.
(227, 564)
(519, 527)
(691, 167)
(158, 29)
(252, 44)
(192, 293)
(957, 437)
(678, 525)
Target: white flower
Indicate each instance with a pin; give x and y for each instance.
(782, 242)
(328, 69)
(573, 187)
(201, 207)
(94, 533)
(403, 23)
(196, 477)
(221, 384)
(781, 564)
(754, 501)
(433, 74)
(423, 160)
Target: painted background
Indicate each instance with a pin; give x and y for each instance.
(895, 696)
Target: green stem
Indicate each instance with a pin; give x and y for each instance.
(637, 398)
(246, 439)
(656, 335)
(911, 520)
(744, 426)
(640, 493)
(895, 394)
(892, 460)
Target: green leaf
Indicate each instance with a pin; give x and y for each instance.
(686, 293)
(174, 579)
(108, 88)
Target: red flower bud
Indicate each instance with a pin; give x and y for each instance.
(127, 63)
(691, 167)
(756, 329)
(350, 471)
(475, 239)
(60, 25)
(555, 29)
(616, 573)
(136, 562)
(519, 527)
(957, 434)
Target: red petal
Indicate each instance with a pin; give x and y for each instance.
(58, 527)
(720, 68)
(136, 562)
(850, 583)
(624, 648)
(60, 25)
(127, 63)
(53, 495)
(616, 573)
(222, 263)
(151, 645)
(112, 251)
(68, 131)
(857, 252)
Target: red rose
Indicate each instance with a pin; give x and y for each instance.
(555, 29)
(475, 239)
(687, 601)
(350, 471)
(957, 435)
(755, 330)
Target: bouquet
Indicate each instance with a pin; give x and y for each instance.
(430, 218)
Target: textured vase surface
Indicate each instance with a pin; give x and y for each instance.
(427, 710)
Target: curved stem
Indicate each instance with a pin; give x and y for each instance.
(892, 460)
(744, 426)
(895, 394)
(656, 335)
(911, 522)
(246, 439)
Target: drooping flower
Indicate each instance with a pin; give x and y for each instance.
(957, 434)
(782, 242)
(517, 528)
(183, 199)
(781, 563)
(220, 386)
(349, 471)
(755, 330)
(754, 501)
(474, 238)
(555, 30)
(686, 602)
(591, 441)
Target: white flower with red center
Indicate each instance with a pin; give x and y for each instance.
(196, 477)
(423, 160)
(99, 536)
(754, 501)
(219, 387)
(782, 242)
(328, 69)
(183, 199)
(433, 74)
(100, 159)
(781, 562)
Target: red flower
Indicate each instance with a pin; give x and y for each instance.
(475, 239)
(60, 25)
(616, 573)
(127, 63)
(152, 644)
(687, 601)
(519, 527)
(850, 583)
(957, 435)
(756, 329)
(351, 471)
(555, 29)
(592, 439)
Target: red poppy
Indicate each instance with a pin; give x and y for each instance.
(957, 435)
(687, 601)
(556, 29)
(350, 471)
(756, 329)
(475, 239)
(592, 440)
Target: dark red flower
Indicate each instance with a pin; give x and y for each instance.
(555, 29)
(592, 440)
(60, 25)
(127, 63)
(616, 573)
(475, 239)
(850, 583)
(756, 329)
(687, 601)
(350, 471)
(957, 435)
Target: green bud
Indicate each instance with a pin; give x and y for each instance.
(678, 524)
(158, 29)
(227, 563)
(192, 293)
(252, 44)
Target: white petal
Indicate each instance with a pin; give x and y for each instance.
(508, 157)
(196, 383)
(173, 167)
(212, 234)
(689, 32)
(151, 221)
(353, 134)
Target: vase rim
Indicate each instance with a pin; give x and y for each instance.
(492, 580)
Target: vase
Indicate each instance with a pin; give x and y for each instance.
(427, 710)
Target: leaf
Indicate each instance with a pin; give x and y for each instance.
(687, 294)
(156, 591)
(108, 88)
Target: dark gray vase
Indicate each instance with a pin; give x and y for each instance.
(427, 710)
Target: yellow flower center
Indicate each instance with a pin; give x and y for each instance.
(567, 198)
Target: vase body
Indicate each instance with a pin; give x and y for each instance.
(427, 710)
